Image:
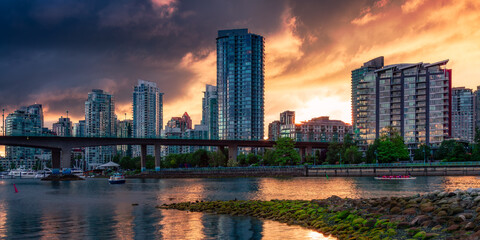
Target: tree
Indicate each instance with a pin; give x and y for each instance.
(371, 156)
(127, 163)
(477, 135)
(269, 157)
(217, 159)
(352, 155)
(252, 159)
(232, 163)
(391, 147)
(445, 150)
(422, 152)
(242, 159)
(334, 153)
(202, 156)
(285, 153)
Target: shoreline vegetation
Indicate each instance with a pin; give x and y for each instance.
(435, 215)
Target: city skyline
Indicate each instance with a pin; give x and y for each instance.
(315, 50)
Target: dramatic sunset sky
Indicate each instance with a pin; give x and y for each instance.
(54, 52)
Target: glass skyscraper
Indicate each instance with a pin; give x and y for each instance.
(240, 84)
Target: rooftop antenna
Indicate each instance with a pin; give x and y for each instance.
(67, 114)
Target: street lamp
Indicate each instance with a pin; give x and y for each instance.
(376, 157)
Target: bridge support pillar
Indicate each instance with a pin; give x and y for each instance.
(66, 159)
(56, 161)
(143, 158)
(158, 149)
(232, 152)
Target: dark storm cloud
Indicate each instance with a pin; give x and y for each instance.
(54, 52)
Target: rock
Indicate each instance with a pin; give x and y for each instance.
(443, 201)
(477, 199)
(410, 211)
(437, 228)
(427, 209)
(431, 235)
(420, 235)
(442, 213)
(469, 226)
(427, 223)
(403, 225)
(395, 210)
(453, 228)
(477, 210)
(466, 215)
(442, 194)
(455, 210)
(419, 220)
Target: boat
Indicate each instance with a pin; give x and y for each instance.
(43, 173)
(78, 172)
(14, 173)
(395, 177)
(28, 174)
(117, 178)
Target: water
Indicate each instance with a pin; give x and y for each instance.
(93, 209)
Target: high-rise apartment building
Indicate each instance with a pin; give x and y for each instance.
(99, 122)
(415, 99)
(240, 84)
(210, 111)
(463, 119)
(26, 121)
(63, 127)
(79, 129)
(477, 108)
(274, 130)
(125, 130)
(357, 76)
(147, 113)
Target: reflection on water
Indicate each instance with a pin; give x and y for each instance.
(95, 209)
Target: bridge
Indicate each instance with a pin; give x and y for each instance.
(61, 147)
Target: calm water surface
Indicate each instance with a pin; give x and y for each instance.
(93, 209)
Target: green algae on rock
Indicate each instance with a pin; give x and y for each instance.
(436, 215)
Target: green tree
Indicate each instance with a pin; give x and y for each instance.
(352, 155)
(477, 135)
(200, 158)
(217, 159)
(127, 163)
(391, 147)
(285, 153)
(422, 152)
(242, 159)
(252, 159)
(232, 163)
(334, 153)
(445, 150)
(269, 157)
(371, 157)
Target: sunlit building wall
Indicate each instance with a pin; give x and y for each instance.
(63, 127)
(210, 111)
(463, 122)
(412, 98)
(240, 84)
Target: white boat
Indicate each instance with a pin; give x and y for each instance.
(116, 178)
(78, 172)
(28, 174)
(43, 173)
(395, 178)
(14, 173)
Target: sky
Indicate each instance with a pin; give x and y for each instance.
(54, 52)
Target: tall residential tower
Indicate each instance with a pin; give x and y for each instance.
(463, 117)
(147, 113)
(240, 84)
(99, 122)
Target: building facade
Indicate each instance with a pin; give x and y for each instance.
(287, 124)
(477, 108)
(99, 122)
(274, 130)
(240, 84)
(63, 127)
(26, 121)
(210, 111)
(415, 99)
(125, 130)
(147, 113)
(79, 129)
(357, 76)
(322, 129)
(463, 115)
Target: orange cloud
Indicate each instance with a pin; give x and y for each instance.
(411, 5)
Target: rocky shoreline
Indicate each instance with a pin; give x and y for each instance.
(436, 215)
